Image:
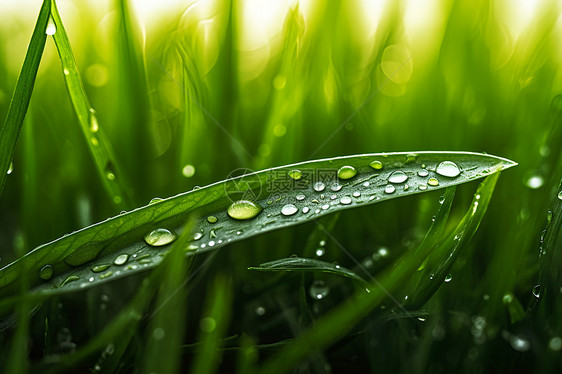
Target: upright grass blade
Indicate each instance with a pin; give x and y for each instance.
(213, 327)
(342, 318)
(22, 94)
(109, 170)
(263, 201)
(166, 328)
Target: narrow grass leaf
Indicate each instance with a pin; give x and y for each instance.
(109, 170)
(342, 318)
(239, 208)
(22, 94)
(310, 265)
(213, 327)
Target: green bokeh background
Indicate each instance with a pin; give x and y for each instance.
(186, 98)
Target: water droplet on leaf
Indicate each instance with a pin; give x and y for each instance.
(397, 177)
(160, 237)
(121, 259)
(377, 165)
(319, 186)
(448, 169)
(433, 182)
(346, 200)
(46, 272)
(244, 209)
(289, 210)
(389, 188)
(295, 174)
(212, 219)
(347, 172)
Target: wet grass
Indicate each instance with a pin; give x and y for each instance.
(187, 101)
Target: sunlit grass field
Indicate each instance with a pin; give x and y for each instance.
(190, 94)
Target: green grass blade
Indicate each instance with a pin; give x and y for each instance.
(343, 317)
(213, 327)
(22, 94)
(293, 264)
(165, 332)
(109, 170)
(75, 258)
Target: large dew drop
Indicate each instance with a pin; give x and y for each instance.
(160, 237)
(347, 172)
(243, 209)
(448, 169)
(398, 177)
(46, 272)
(289, 210)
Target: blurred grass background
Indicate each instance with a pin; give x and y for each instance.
(187, 93)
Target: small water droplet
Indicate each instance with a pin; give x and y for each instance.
(106, 275)
(46, 272)
(295, 174)
(305, 209)
(100, 268)
(441, 199)
(158, 333)
(537, 291)
(325, 206)
(366, 184)
(560, 195)
(555, 344)
(94, 125)
(70, 278)
(320, 252)
(377, 165)
(319, 186)
(448, 169)
(347, 172)
(433, 182)
(422, 187)
(212, 219)
(389, 188)
(423, 173)
(346, 200)
(91, 279)
(207, 324)
(121, 259)
(212, 243)
(188, 171)
(51, 27)
(383, 251)
(356, 194)
(535, 181)
(289, 210)
(507, 298)
(10, 168)
(300, 196)
(199, 235)
(244, 209)
(397, 177)
(155, 200)
(519, 343)
(160, 237)
(336, 187)
(448, 278)
(318, 290)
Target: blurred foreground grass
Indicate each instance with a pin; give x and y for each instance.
(186, 100)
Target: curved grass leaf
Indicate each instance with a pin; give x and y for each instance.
(309, 264)
(116, 247)
(22, 94)
(99, 146)
(344, 317)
